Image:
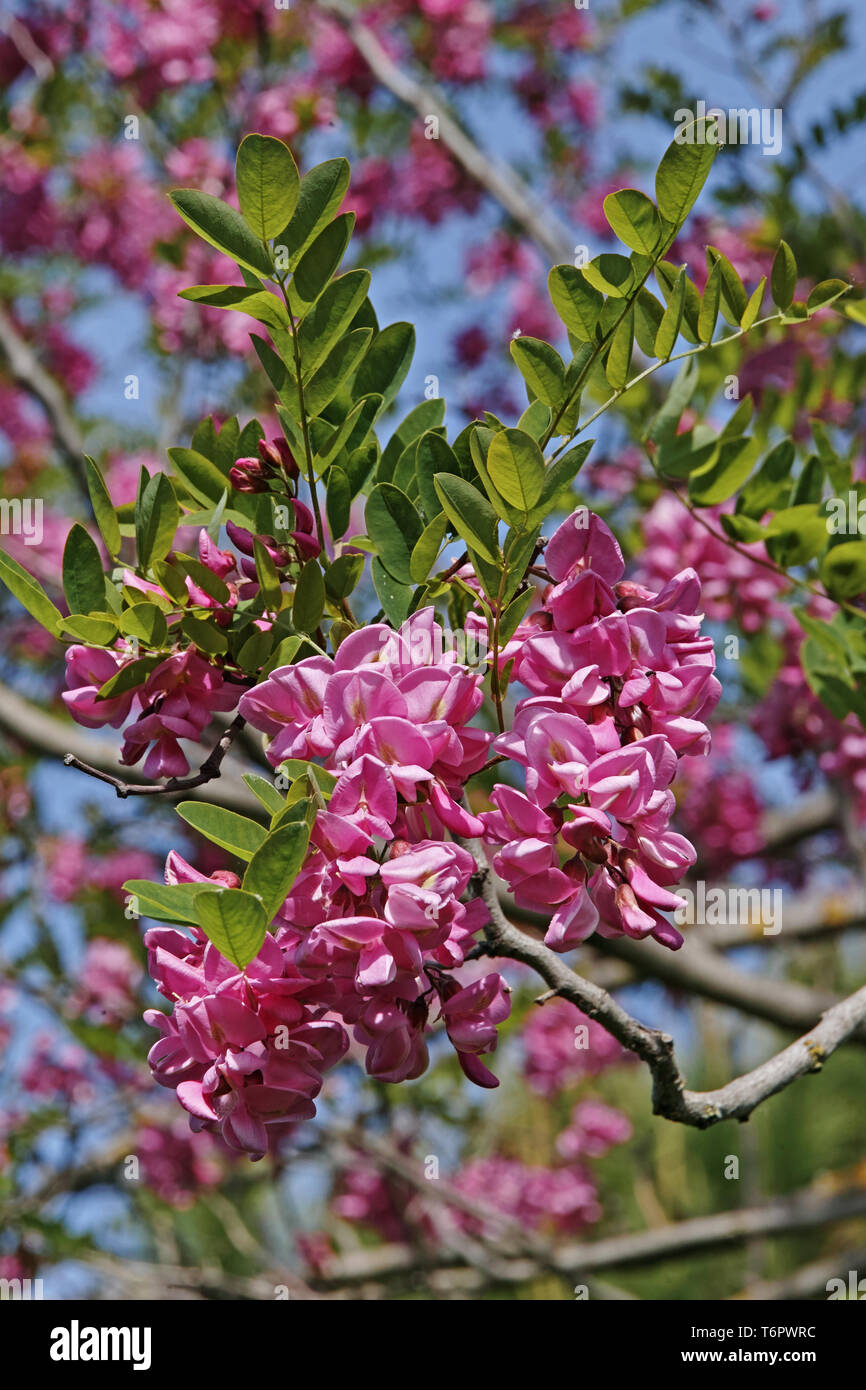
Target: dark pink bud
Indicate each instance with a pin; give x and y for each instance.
(307, 546)
(303, 517)
(277, 454)
(247, 475)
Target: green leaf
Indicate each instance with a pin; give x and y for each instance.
(513, 614)
(169, 578)
(165, 902)
(470, 514)
(275, 866)
(395, 527)
(542, 368)
(255, 651)
(796, 535)
(156, 520)
(610, 274)
(683, 171)
(234, 921)
(680, 455)
(103, 509)
(394, 597)
(616, 367)
(267, 182)
(146, 622)
(723, 477)
(710, 305)
(829, 678)
(634, 219)
(733, 293)
(843, 570)
(516, 467)
(238, 834)
(200, 476)
(309, 601)
(221, 226)
(648, 315)
(343, 576)
(96, 630)
(256, 304)
(826, 292)
(810, 484)
(336, 369)
(265, 791)
(338, 501)
(426, 549)
(329, 319)
(321, 192)
(29, 593)
(536, 420)
(205, 635)
(738, 422)
(386, 362)
(783, 277)
(130, 675)
(665, 422)
(577, 303)
(266, 574)
(667, 276)
(320, 260)
(770, 486)
(562, 473)
(669, 328)
(428, 415)
(83, 577)
(433, 455)
(753, 308)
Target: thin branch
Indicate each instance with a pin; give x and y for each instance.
(497, 178)
(209, 769)
(28, 372)
(799, 1211)
(53, 738)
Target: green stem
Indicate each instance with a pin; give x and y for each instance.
(654, 367)
(305, 429)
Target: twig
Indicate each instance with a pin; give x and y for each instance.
(29, 373)
(209, 769)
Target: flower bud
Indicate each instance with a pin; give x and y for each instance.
(248, 475)
(276, 454)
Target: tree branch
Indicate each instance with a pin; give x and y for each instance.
(53, 738)
(497, 178)
(209, 769)
(799, 1211)
(670, 1098)
(28, 372)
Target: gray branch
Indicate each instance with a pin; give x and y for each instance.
(497, 178)
(670, 1097)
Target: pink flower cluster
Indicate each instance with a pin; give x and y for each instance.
(561, 1047)
(622, 682)
(374, 923)
(245, 1050)
(175, 702)
(734, 587)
